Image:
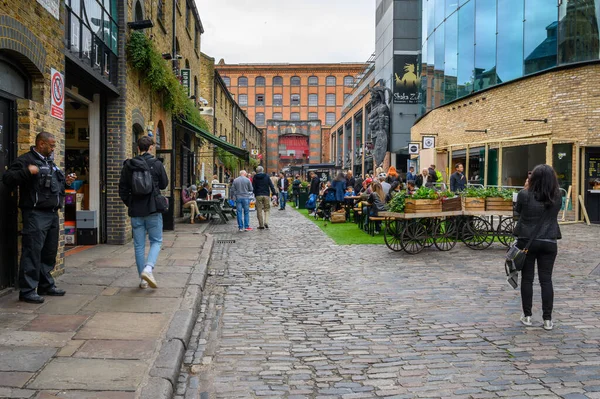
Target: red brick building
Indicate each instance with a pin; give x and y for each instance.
(291, 92)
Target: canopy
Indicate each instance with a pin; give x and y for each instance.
(203, 134)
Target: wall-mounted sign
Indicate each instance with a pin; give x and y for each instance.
(413, 148)
(243, 143)
(428, 142)
(185, 79)
(57, 92)
(407, 80)
(52, 6)
(254, 152)
(224, 138)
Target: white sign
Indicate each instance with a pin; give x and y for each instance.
(57, 92)
(254, 152)
(413, 148)
(52, 6)
(428, 142)
(220, 189)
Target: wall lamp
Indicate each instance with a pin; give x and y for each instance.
(139, 25)
(545, 120)
(477, 131)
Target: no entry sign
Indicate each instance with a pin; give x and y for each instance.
(57, 89)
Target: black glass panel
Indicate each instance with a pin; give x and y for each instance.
(510, 40)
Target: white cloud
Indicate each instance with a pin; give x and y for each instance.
(259, 31)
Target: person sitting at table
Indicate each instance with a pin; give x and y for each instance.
(376, 203)
(188, 195)
(349, 192)
(410, 187)
(395, 188)
(203, 192)
(366, 187)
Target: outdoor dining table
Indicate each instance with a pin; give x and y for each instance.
(211, 208)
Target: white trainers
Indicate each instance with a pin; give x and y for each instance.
(548, 325)
(526, 320)
(148, 277)
(143, 284)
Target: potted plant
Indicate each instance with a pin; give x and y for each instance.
(450, 201)
(397, 203)
(473, 199)
(499, 199)
(424, 200)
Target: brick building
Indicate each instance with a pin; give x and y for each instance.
(291, 92)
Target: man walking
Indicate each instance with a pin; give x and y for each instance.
(283, 184)
(42, 193)
(275, 180)
(263, 189)
(241, 192)
(141, 204)
(458, 181)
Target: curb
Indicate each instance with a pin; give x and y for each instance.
(165, 370)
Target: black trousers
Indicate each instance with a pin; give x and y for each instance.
(545, 254)
(39, 249)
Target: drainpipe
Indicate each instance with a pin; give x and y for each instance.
(214, 118)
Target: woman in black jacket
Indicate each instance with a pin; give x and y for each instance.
(539, 203)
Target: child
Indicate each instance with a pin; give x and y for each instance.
(349, 192)
(410, 187)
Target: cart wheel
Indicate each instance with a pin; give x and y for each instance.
(477, 233)
(414, 237)
(429, 224)
(505, 231)
(445, 234)
(392, 235)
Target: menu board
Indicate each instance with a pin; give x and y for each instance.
(593, 166)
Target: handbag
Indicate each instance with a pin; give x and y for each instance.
(312, 202)
(514, 260)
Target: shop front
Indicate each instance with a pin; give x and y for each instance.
(591, 183)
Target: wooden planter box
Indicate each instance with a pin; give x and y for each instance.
(474, 204)
(498, 204)
(452, 204)
(422, 206)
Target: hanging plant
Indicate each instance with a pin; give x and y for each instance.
(146, 59)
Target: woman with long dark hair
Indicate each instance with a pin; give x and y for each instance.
(539, 203)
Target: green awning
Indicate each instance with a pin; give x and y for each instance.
(203, 134)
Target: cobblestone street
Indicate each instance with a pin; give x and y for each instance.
(288, 314)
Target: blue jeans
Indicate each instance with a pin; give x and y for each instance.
(243, 204)
(283, 196)
(153, 224)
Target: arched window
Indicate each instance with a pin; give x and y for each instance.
(260, 81)
(160, 133)
(295, 81)
(227, 80)
(242, 81)
(313, 116)
(137, 133)
(330, 81)
(313, 81)
(14, 81)
(348, 81)
(277, 81)
(139, 11)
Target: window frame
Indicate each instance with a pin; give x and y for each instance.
(295, 116)
(280, 114)
(299, 81)
(295, 100)
(256, 118)
(277, 81)
(327, 80)
(259, 103)
(346, 81)
(328, 97)
(313, 80)
(244, 103)
(327, 118)
(314, 97)
(315, 114)
(263, 80)
(277, 102)
(242, 79)
(226, 80)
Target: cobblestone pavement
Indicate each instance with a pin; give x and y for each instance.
(288, 314)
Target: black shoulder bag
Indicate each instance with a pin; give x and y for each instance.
(161, 202)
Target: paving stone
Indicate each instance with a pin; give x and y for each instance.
(90, 374)
(24, 359)
(55, 323)
(68, 304)
(132, 304)
(116, 349)
(35, 338)
(69, 349)
(14, 321)
(87, 395)
(16, 379)
(111, 325)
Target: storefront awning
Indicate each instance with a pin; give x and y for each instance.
(200, 133)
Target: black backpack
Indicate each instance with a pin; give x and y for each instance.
(142, 182)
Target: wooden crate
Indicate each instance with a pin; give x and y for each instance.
(422, 205)
(452, 204)
(498, 204)
(474, 204)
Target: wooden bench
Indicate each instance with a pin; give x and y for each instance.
(372, 224)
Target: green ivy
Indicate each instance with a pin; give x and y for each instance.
(425, 193)
(229, 161)
(145, 58)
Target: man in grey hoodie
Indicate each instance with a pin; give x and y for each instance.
(241, 193)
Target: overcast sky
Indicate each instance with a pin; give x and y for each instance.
(258, 31)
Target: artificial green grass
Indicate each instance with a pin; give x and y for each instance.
(345, 233)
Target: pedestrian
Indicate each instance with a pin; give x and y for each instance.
(384, 184)
(263, 189)
(283, 184)
(313, 192)
(145, 218)
(242, 192)
(275, 180)
(296, 184)
(537, 209)
(188, 196)
(423, 179)
(215, 179)
(350, 180)
(411, 174)
(41, 195)
(458, 182)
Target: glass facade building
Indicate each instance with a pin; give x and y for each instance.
(470, 45)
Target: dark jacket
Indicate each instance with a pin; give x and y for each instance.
(351, 182)
(419, 181)
(314, 186)
(141, 205)
(286, 184)
(458, 182)
(296, 184)
(44, 190)
(262, 185)
(358, 185)
(376, 203)
(529, 211)
(340, 189)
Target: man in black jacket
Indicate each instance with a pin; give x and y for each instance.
(458, 181)
(42, 193)
(263, 189)
(142, 208)
(283, 184)
(314, 184)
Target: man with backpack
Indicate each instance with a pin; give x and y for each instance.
(142, 178)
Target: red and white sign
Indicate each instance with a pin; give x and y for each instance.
(57, 89)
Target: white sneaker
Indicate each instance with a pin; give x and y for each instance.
(548, 325)
(526, 320)
(149, 278)
(143, 284)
